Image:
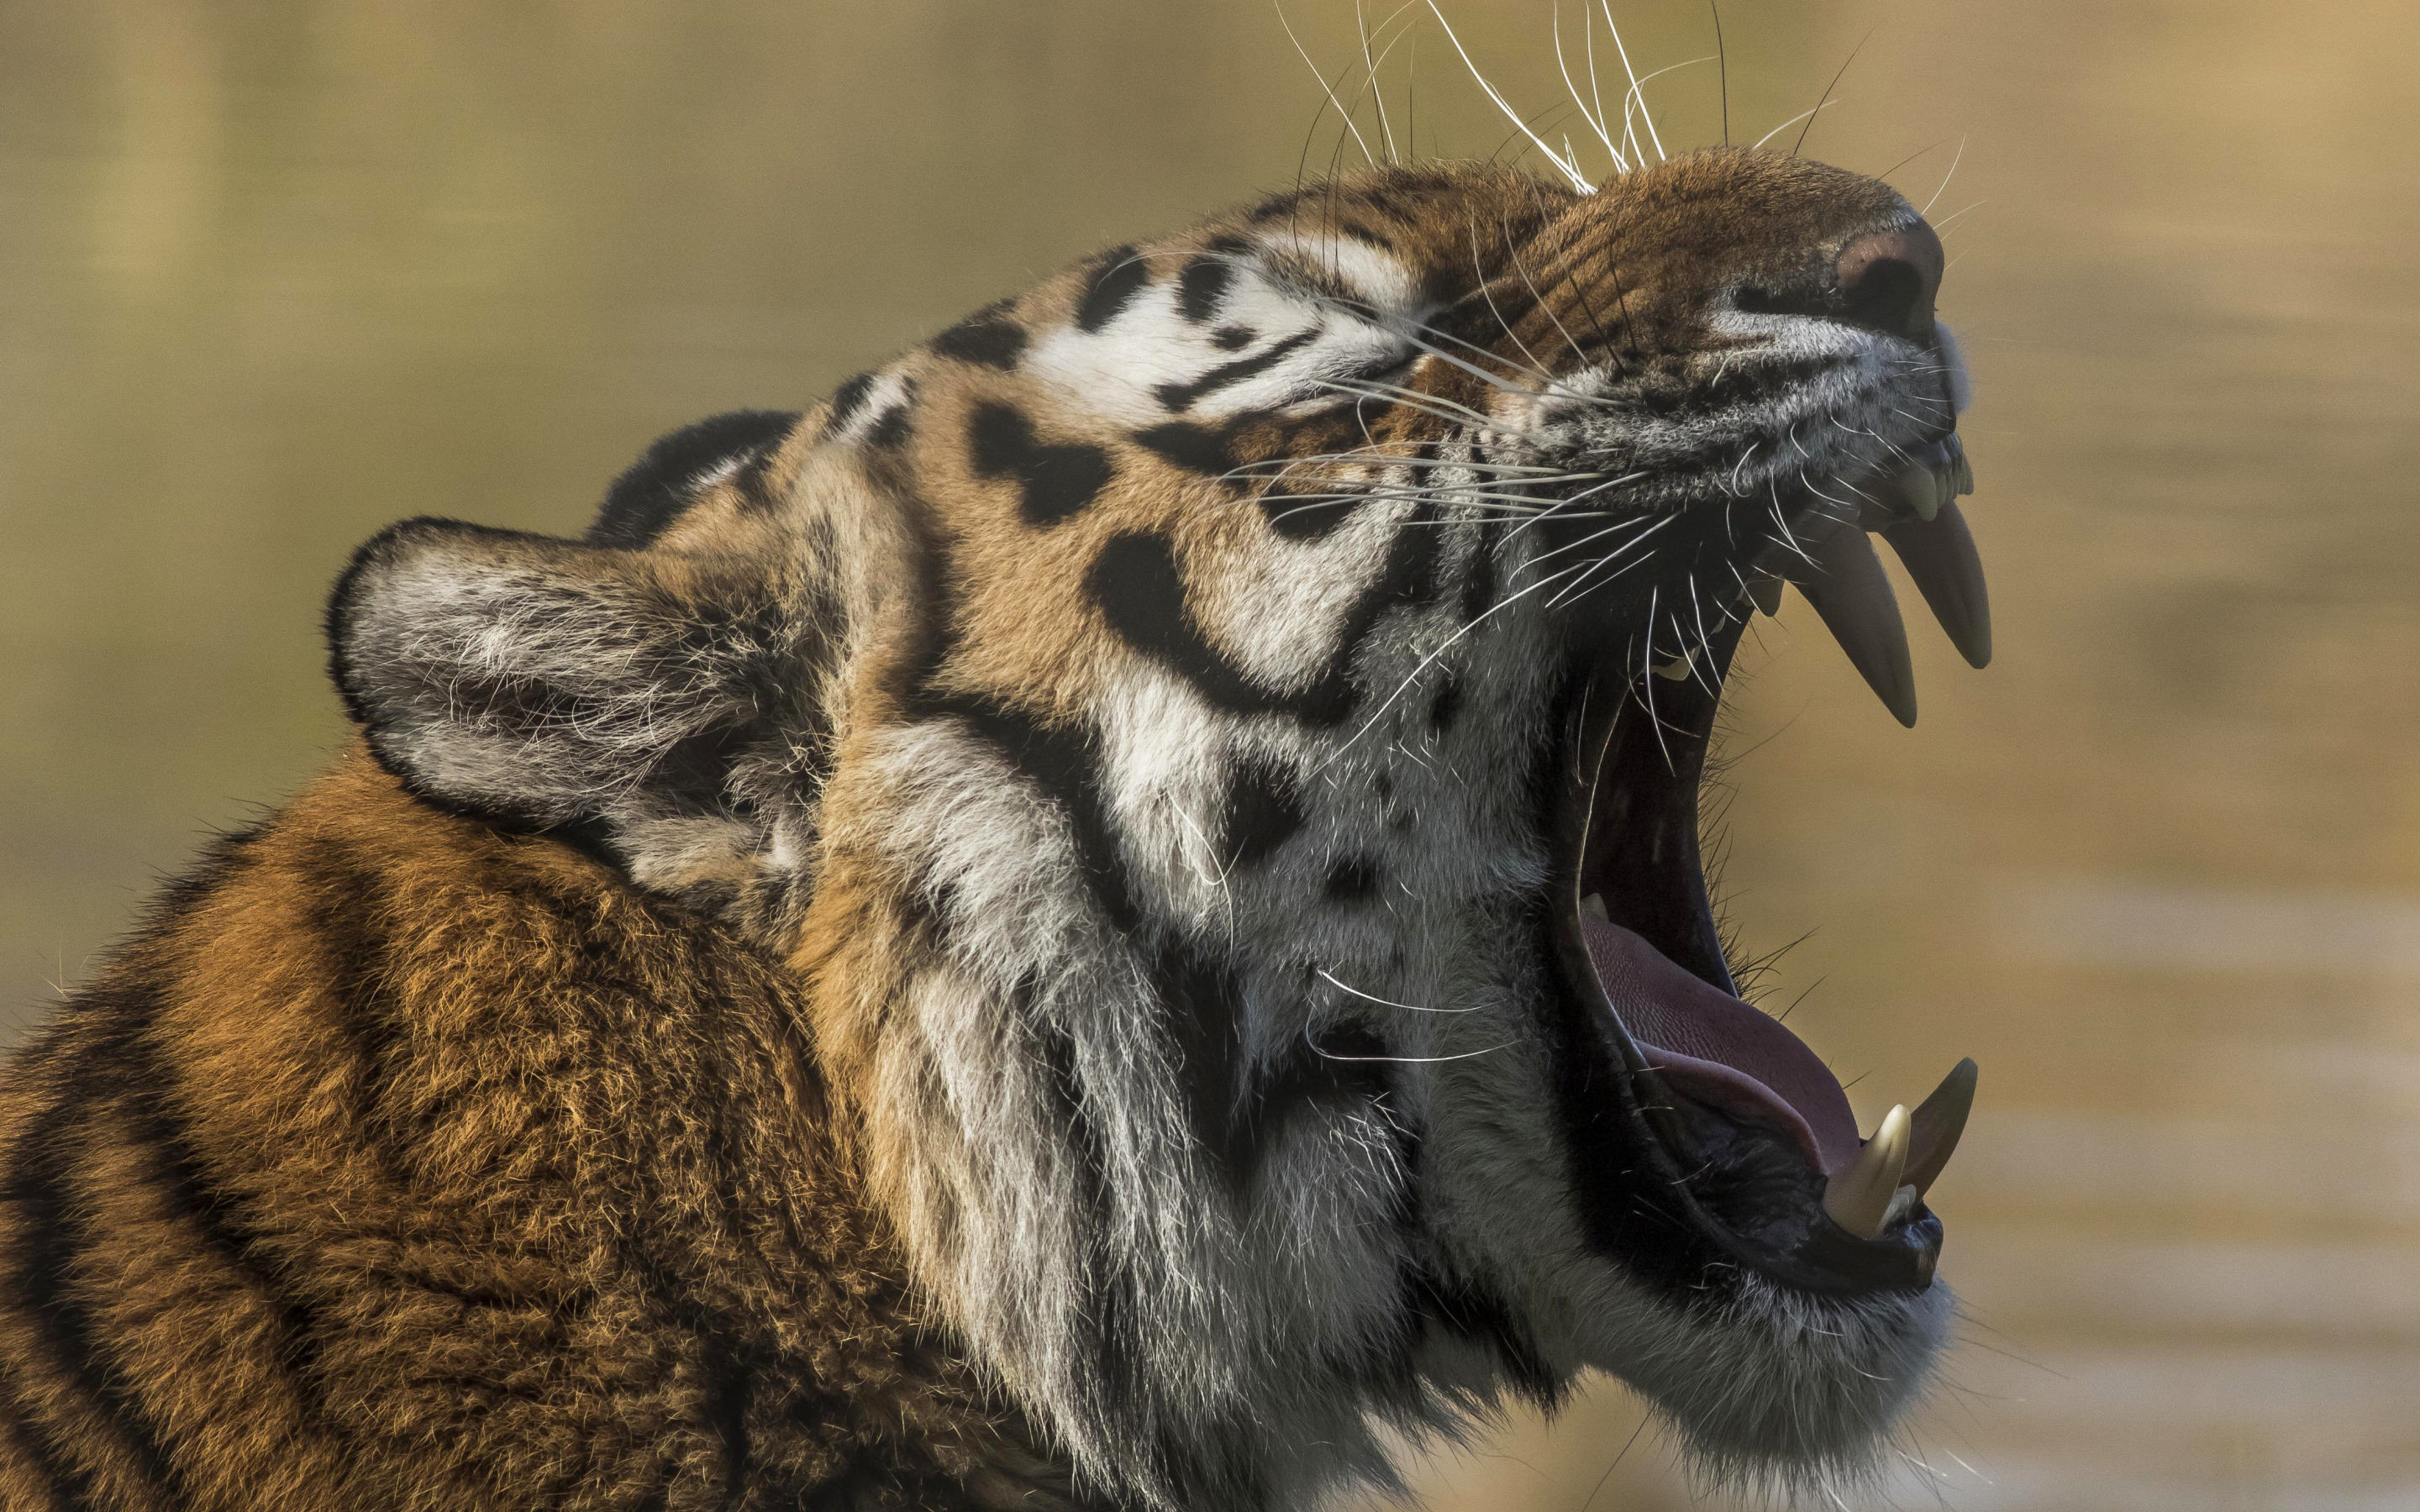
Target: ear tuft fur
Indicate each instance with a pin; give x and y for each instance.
(543, 684)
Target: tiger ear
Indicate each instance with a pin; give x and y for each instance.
(547, 684)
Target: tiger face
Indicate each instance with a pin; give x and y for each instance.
(1217, 735)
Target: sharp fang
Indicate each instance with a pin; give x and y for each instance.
(1934, 1127)
(1859, 1199)
(1940, 557)
(1675, 670)
(1592, 906)
(1917, 489)
(1846, 585)
(1764, 591)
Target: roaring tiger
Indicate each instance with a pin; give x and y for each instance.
(1110, 919)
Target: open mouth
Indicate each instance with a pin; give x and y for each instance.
(1748, 1137)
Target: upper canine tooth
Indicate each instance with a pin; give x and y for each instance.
(1859, 1199)
(1843, 578)
(1934, 1127)
(1675, 670)
(1940, 557)
(1764, 591)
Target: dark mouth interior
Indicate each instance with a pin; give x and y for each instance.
(1749, 1121)
(1656, 950)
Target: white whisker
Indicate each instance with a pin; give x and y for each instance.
(1369, 997)
(1569, 170)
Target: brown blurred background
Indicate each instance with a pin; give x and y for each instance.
(274, 274)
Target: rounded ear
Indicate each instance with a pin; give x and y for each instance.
(541, 683)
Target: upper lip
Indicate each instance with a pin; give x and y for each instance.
(1779, 1184)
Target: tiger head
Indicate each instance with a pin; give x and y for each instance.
(1217, 737)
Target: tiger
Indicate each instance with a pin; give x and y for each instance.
(1112, 918)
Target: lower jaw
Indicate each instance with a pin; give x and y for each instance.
(1748, 1199)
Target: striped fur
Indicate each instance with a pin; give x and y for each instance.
(983, 945)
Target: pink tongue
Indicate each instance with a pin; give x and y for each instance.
(1720, 1051)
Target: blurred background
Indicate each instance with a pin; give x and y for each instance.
(274, 274)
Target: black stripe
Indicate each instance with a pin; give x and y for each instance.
(71, 1484)
(1116, 275)
(1352, 879)
(1447, 706)
(1343, 1067)
(986, 338)
(1233, 338)
(1057, 480)
(1136, 582)
(846, 401)
(1064, 764)
(1307, 516)
(1201, 1004)
(729, 1379)
(50, 1242)
(646, 500)
(193, 1198)
(1479, 586)
(344, 898)
(1110, 1301)
(1262, 811)
(891, 430)
(1205, 280)
(1194, 447)
(1182, 396)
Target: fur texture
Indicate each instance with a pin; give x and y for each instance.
(984, 946)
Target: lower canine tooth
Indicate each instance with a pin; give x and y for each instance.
(1934, 1127)
(1843, 580)
(1859, 1199)
(1593, 907)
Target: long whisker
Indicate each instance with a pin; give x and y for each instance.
(1596, 122)
(1367, 156)
(1370, 86)
(1787, 124)
(1644, 113)
(1502, 324)
(1569, 340)
(1399, 1060)
(1370, 998)
(1824, 98)
(1955, 158)
(1361, 23)
(1722, 61)
(1568, 169)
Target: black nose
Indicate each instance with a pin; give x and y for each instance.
(1886, 280)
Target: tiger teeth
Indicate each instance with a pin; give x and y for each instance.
(1917, 489)
(1859, 1199)
(1934, 1126)
(1764, 591)
(1940, 557)
(1842, 578)
(1900, 1164)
